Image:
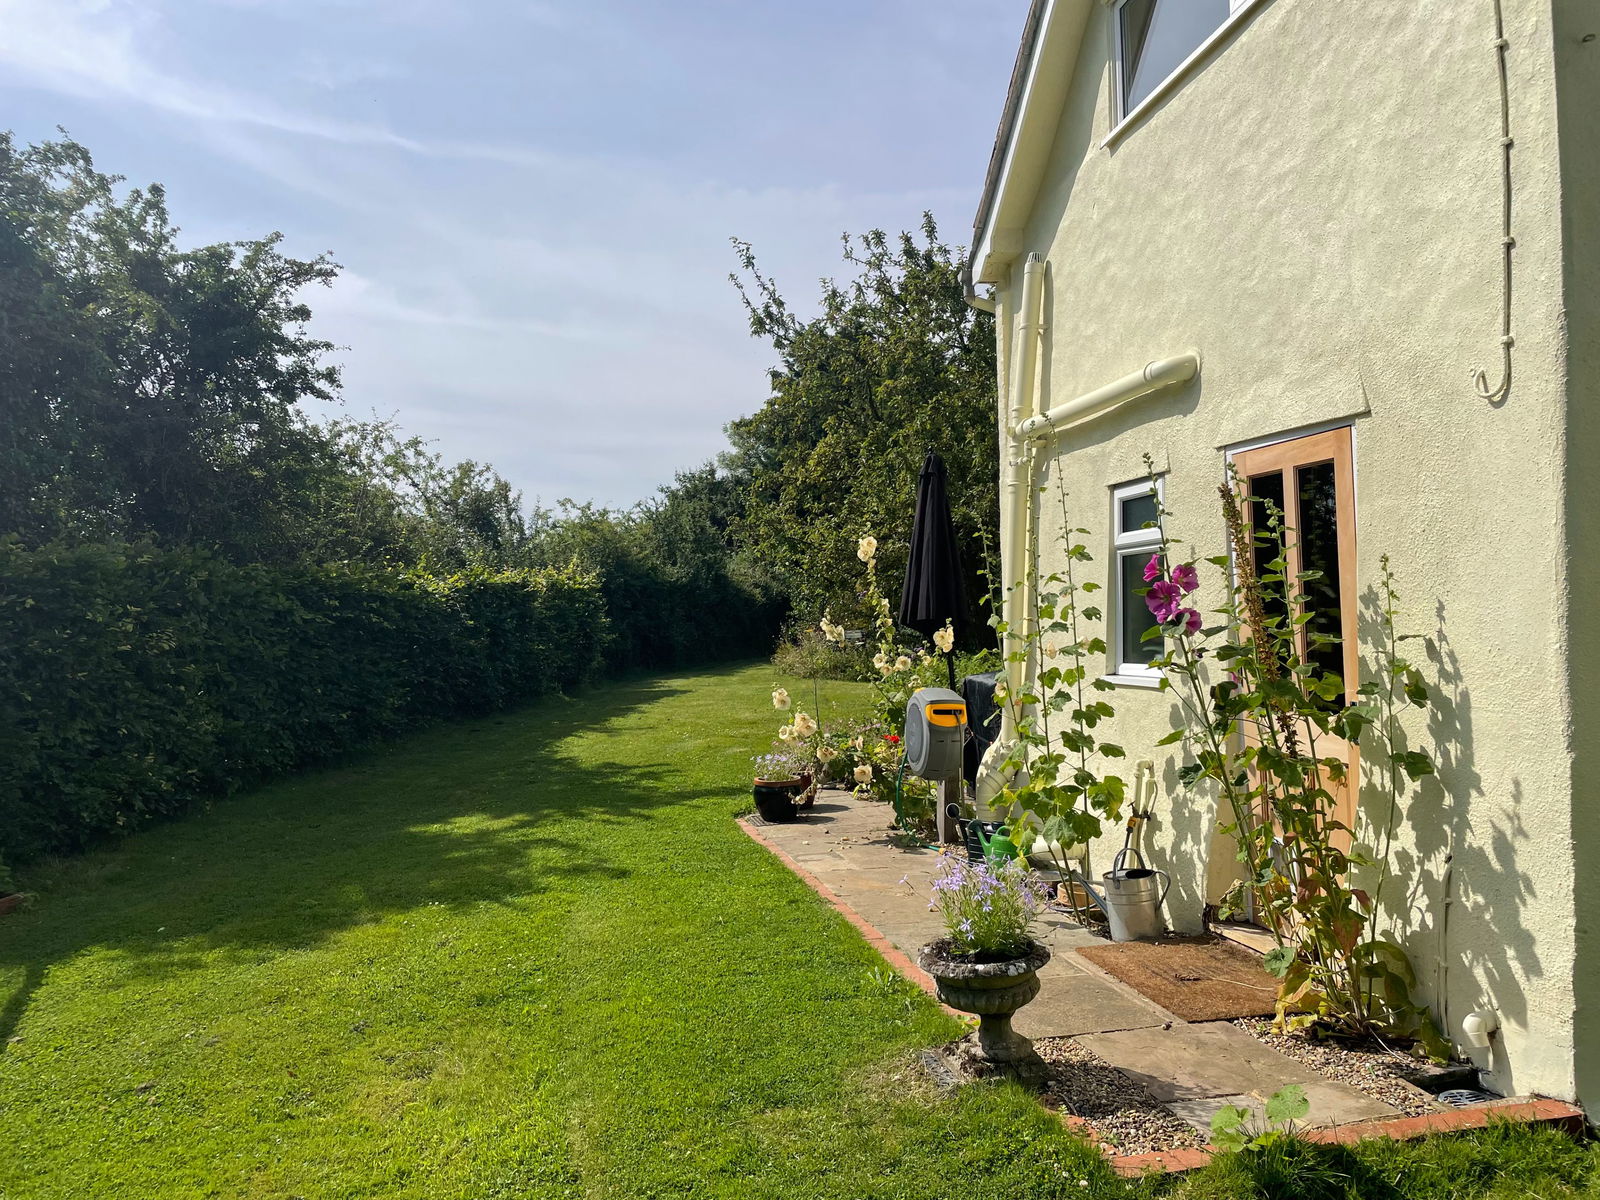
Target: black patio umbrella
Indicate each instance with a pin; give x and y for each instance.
(934, 592)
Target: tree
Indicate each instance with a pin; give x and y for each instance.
(150, 390)
(895, 364)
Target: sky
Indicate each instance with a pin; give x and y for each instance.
(532, 200)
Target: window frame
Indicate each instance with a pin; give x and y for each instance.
(1121, 115)
(1130, 545)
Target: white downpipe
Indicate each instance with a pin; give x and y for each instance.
(1018, 499)
(1017, 371)
(1019, 459)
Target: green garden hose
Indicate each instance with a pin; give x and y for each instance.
(900, 821)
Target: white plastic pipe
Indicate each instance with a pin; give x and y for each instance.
(1154, 376)
(1480, 1026)
(1018, 499)
(1019, 465)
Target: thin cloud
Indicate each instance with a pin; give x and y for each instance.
(532, 204)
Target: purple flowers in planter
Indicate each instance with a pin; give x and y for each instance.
(987, 910)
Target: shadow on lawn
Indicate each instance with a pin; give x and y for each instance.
(459, 815)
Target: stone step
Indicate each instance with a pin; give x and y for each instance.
(1197, 1069)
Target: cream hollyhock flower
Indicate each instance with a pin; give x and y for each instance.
(826, 754)
(786, 733)
(1001, 691)
(863, 774)
(804, 726)
(1050, 649)
(903, 663)
(780, 699)
(855, 743)
(834, 633)
(945, 639)
(867, 548)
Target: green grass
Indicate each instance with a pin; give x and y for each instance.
(523, 956)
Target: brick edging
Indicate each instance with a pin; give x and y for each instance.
(1522, 1110)
(895, 957)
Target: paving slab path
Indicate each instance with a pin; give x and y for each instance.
(848, 846)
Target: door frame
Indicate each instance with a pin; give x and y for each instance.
(1305, 447)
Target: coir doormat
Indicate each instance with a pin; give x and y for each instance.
(1199, 979)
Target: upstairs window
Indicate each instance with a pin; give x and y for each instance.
(1157, 37)
(1135, 540)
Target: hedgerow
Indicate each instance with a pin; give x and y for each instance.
(135, 680)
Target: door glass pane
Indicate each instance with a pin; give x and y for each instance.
(1137, 512)
(1266, 492)
(1136, 614)
(1319, 554)
(1157, 35)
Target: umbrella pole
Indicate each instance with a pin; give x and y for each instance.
(950, 665)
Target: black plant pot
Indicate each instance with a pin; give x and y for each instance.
(775, 802)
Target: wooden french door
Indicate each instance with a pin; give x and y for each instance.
(1312, 481)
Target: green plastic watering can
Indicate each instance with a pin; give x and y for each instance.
(998, 848)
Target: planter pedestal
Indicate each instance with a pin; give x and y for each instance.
(994, 991)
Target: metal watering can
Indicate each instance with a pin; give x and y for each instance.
(1129, 898)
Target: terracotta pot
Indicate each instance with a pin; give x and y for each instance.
(1076, 896)
(10, 903)
(794, 783)
(994, 991)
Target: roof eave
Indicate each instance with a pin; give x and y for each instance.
(1043, 72)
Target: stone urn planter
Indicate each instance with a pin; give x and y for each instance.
(994, 991)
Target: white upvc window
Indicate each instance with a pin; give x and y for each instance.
(1135, 540)
(1155, 41)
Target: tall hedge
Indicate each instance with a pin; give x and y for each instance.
(134, 680)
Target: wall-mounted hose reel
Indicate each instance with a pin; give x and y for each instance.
(936, 732)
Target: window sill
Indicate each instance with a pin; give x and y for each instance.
(1150, 682)
(1170, 84)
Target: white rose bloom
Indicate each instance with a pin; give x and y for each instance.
(855, 743)
(780, 699)
(945, 639)
(867, 548)
(903, 663)
(826, 754)
(863, 774)
(804, 726)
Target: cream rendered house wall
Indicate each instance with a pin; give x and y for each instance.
(1316, 209)
(1577, 55)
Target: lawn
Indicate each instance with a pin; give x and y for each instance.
(525, 956)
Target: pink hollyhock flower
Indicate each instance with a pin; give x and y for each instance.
(1163, 599)
(1191, 620)
(1186, 577)
(1152, 569)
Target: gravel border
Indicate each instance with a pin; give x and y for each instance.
(1119, 1112)
(1375, 1072)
